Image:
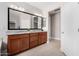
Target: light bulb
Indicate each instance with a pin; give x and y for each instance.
(16, 7)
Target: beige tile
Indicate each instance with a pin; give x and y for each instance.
(48, 49)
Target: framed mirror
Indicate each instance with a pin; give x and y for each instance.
(20, 20)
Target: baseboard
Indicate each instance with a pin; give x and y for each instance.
(62, 49)
(54, 38)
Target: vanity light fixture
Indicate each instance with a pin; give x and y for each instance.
(38, 14)
(18, 8)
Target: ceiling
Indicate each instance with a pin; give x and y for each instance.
(46, 5)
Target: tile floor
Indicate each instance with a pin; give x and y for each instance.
(48, 49)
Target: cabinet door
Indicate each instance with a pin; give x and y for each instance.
(17, 43)
(13, 46)
(42, 37)
(25, 43)
(33, 40)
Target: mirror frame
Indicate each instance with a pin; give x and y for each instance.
(25, 13)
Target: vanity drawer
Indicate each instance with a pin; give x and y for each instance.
(33, 34)
(13, 36)
(33, 44)
(43, 33)
(33, 37)
(23, 35)
(18, 36)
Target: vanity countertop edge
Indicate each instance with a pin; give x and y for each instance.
(23, 32)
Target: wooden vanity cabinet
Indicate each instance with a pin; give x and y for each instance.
(33, 39)
(21, 42)
(24, 39)
(17, 43)
(13, 46)
(42, 37)
(25, 44)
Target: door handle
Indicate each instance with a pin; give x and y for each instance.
(62, 32)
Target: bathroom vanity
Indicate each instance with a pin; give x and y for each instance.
(21, 42)
(32, 26)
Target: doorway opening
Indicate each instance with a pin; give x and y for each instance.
(55, 24)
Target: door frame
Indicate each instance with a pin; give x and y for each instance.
(50, 23)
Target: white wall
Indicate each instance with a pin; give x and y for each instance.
(70, 25)
(4, 16)
(3, 21)
(76, 27)
(46, 11)
(67, 28)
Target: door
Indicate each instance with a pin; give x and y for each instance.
(55, 24)
(55, 28)
(76, 29)
(69, 19)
